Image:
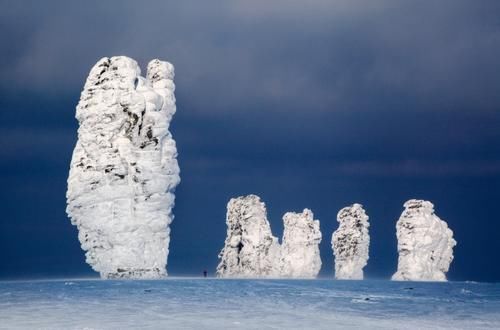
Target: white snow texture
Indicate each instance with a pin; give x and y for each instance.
(251, 250)
(350, 243)
(425, 244)
(124, 169)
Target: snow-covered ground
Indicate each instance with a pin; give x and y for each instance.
(248, 304)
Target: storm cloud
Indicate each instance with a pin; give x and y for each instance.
(309, 104)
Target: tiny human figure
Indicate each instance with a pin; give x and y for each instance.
(205, 273)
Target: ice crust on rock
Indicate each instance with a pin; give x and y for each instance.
(251, 250)
(300, 245)
(350, 243)
(124, 169)
(425, 244)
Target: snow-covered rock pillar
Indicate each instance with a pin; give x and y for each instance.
(300, 257)
(425, 244)
(250, 249)
(124, 169)
(350, 243)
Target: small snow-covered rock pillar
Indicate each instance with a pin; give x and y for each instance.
(250, 249)
(425, 244)
(124, 170)
(350, 243)
(300, 257)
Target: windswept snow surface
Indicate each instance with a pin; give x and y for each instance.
(124, 168)
(425, 244)
(350, 243)
(248, 304)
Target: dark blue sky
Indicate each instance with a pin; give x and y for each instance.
(315, 105)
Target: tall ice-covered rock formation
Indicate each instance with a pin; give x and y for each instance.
(350, 243)
(124, 169)
(425, 244)
(300, 245)
(250, 249)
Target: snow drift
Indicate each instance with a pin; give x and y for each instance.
(350, 243)
(124, 170)
(250, 249)
(425, 244)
